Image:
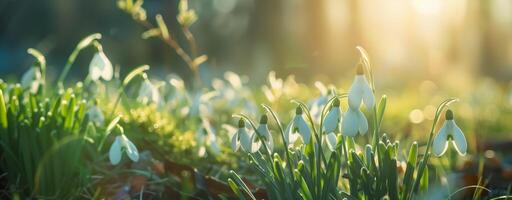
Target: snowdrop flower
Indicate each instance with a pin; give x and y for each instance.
(31, 79)
(100, 67)
(298, 128)
(148, 92)
(354, 122)
(318, 103)
(207, 139)
(241, 138)
(122, 143)
(449, 131)
(331, 123)
(360, 91)
(95, 115)
(264, 134)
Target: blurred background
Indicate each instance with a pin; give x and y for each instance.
(313, 39)
(422, 50)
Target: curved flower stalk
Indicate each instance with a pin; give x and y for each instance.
(298, 128)
(332, 124)
(241, 138)
(100, 66)
(148, 93)
(31, 79)
(264, 134)
(122, 143)
(449, 132)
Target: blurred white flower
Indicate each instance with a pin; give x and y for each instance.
(206, 138)
(241, 138)
(360, 91)
(354, 122)
(331, 124)
(333, 117)
(275, 88)
(200, 105)
(95, 115)
(148, 93)
(298, 128)
(100, 67)
(331, 141)
(31, 79)
(449, 131)
(122, 144)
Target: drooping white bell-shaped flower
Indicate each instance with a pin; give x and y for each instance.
(100, 67)
(206, 137)
(95, 115)
(449, 132)
(333, 117)
(298, 128)
(148, 92)
(264, 134)
(331, 140)
(31, 79)
(122, 143)
(360, 91)
(241, 138)
(354, 122)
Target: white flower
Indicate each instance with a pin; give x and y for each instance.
(354, 122)
(241, 138)
(122, 143)
(100, 67)
(95, 115)
(206, 137)
(331, 124)
(148, 93)
(333, 117)
(360, 91)
(298, 128)
(331, 141)
(449, 131)
(31, 79)
(265, 135)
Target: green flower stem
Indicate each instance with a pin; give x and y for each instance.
(71, 59)
(137, 71)
(281, 131)
(426, 155)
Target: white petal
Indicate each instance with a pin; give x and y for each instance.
(270, 143)
(256, 143)
(235, 144)
(107, 71)
(263, 130)
(368, 97)
(214, 147)
(304, 130)
(440, 144)
(131, 151)
(350, 123)
(245, 140)
(332, 120)
(459, 141)
(362, 123)
(331, 140)
(355, 95)
(114, 154)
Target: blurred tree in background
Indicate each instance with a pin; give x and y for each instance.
(312, 39)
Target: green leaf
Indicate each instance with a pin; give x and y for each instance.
(3, 111)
